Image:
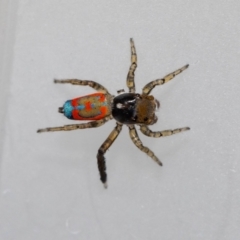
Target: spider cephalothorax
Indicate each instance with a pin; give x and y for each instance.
(126, 108)
(131, 108)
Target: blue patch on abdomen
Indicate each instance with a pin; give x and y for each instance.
(67, 108)
(80, 107)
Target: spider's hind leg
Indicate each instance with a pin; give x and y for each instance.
(146, 131)
(102, 150)
(92, 124)
(90, 83)
(149, 87)
(130, 76)
(136, 140)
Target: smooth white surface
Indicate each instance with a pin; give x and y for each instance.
(50, 186)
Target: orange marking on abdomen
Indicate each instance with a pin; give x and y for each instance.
(102, 97)
(75, 115)
(103, 110)
(75, 102)
(88, 106)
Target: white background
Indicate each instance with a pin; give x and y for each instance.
(50, 186)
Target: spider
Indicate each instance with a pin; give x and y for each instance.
(128, 109)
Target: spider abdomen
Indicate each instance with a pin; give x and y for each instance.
(90, 107)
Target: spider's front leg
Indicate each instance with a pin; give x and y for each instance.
(149, 87)
(101, 151)
(136, 140)
(89, 83)
(92, 124)
(130, 76)
(146, 131)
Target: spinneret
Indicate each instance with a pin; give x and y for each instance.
(127, 108)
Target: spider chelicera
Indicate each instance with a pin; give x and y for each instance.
(127, 108)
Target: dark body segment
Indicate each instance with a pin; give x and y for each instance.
(131, 108)
(123, 109)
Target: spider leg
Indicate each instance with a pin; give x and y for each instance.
(101, 151)
(92, 124)
(130, 76)
(89, 83)
(146, 131)
(136, 140)
(149, 87)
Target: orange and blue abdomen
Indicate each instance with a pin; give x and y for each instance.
(90, 107)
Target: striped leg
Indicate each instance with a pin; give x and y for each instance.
(89, 83)
(130, 76)
(149, 87)
(138, 143)
(92, 124)
(146, 131)
(102, 150)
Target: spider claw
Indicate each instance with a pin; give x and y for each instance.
(105, 185)
(41, 130)
(160, 163)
